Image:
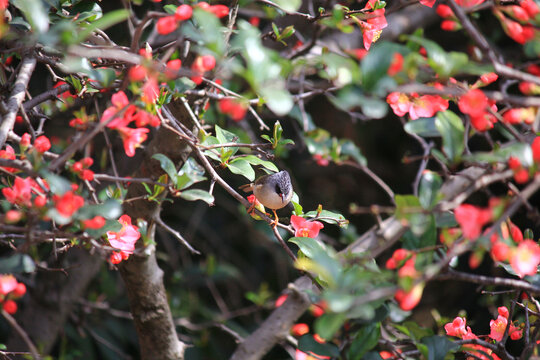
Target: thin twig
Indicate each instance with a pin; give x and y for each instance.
(22, 334)
(176, 234)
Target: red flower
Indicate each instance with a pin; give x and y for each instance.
(40, 201)
(483, 122)
(300, 329)
(396, 65)
(488, 78)
(120, 100)
(20, 193)
(219, 10)
(535, 146)
(521, 176)
(8, 283)
(235, 109)
(519, 33)
(97, 222)
(183, 12)
(450, 25)
(42, 144)
(25, 141)
(9, 154)
(19, 291)
(472, 219)
(166, 25)
(132, 138)
(525, 259)
(500, 251)
(399, 103)
(457, 328)
(473, 102)
(397, 258)
(427, 106)
(530, 7)
(68, 204)
(150, 91)
(444, 11)
(208, 62)
(305, 228)
(137, 73)
(10, 306)
(255, 21)
(172, 68)
(519, 115)
(280, 300)
(143, 118)
(407, 300)
(427, 2)
(125, 239)
(514, 163)
(372, 27)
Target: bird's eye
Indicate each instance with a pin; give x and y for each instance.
(278, 189)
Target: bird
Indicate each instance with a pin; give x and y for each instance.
(273, 191)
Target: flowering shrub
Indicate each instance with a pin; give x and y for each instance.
(414, 171)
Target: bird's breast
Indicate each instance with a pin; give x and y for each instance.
(269, 198)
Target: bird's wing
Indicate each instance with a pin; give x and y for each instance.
(247, 187)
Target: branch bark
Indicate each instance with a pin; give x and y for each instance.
(16, 98)
(141, 274)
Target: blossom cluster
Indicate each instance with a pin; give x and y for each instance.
(301, 329)
(458, 328)
(518, 21)
(506, 245)
(123, 240)
(410, 293)
(10, 290)
(168, 24)
(121, 114)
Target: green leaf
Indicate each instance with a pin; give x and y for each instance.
(253, 160)
(86, 11)
(289, 5)
(197, 194)
(105, 76)
(421, 235)
(375, 65)
(452, 131)
(520, 151)
(444, 63)
(16, 264)
(109, 19)
(428, 191)
(167, 165)
(190, 173)
(277, 98)
(424, 127)
(57, 184)
(320, 259)
(328, 324)
(439, 346)
(170, 9)
(110, 209)
(408, 208)
(350, 149)
(364, 340)
(241, 167)
(413, 330)
(34, 12)
(307, 344)
(310, 247)
(329, 217)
